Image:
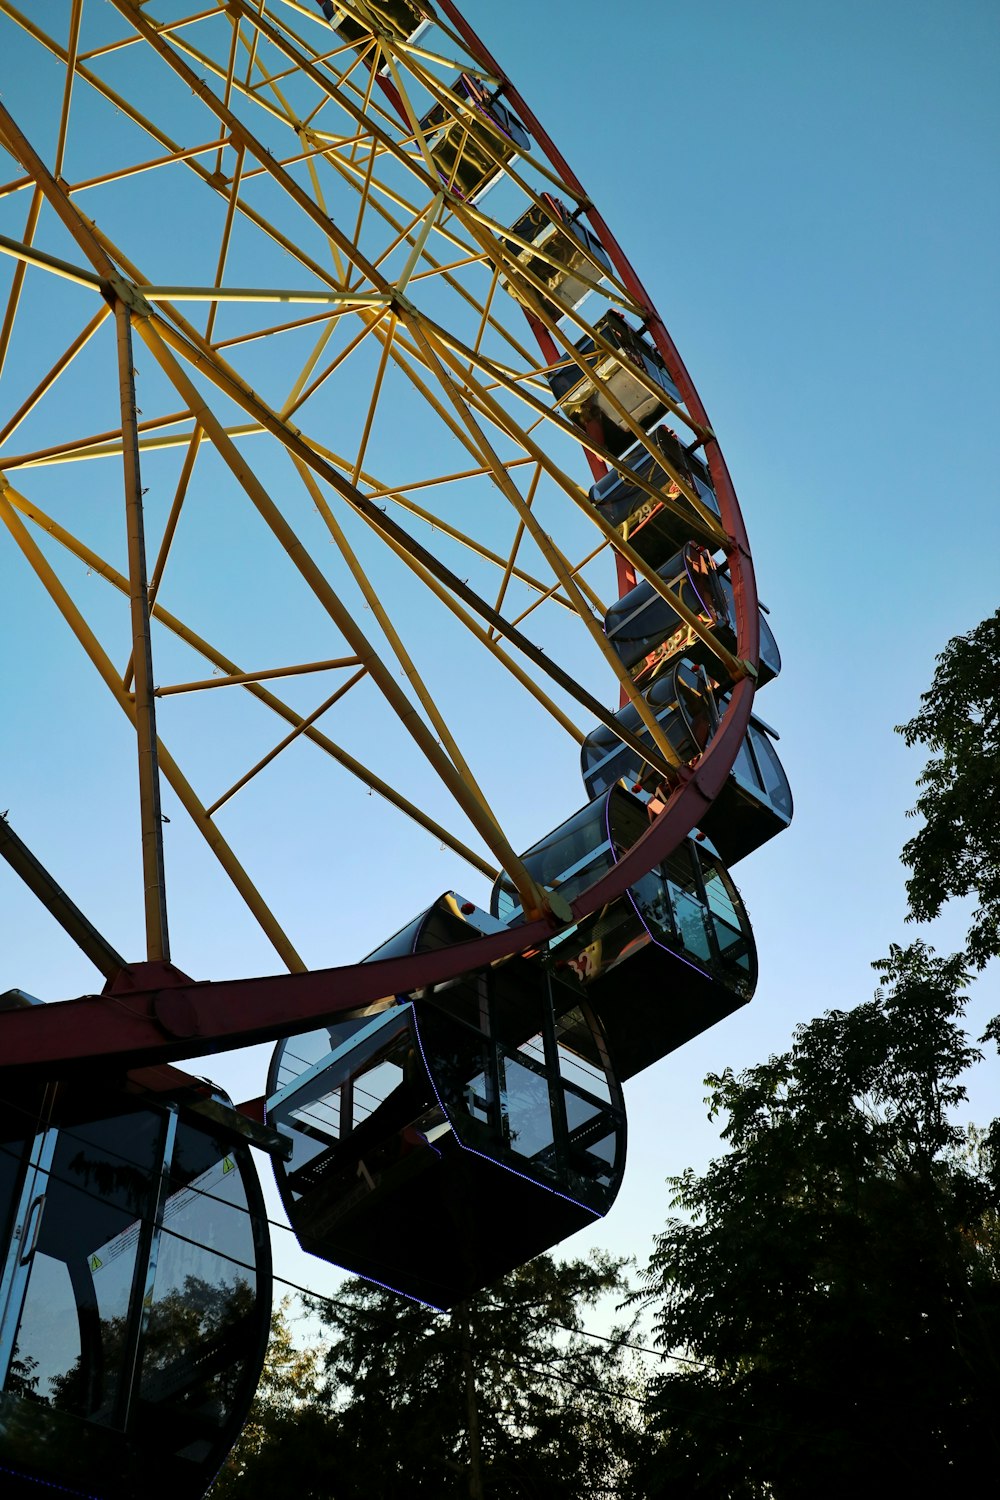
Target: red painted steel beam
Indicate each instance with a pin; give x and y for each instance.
(695, 795)
(154, 1014)
(167, 1016)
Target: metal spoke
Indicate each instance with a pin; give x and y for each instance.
(304, 236)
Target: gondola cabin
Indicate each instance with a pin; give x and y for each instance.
(400, 18)
(756, 802)
(633, 372)
(471, 146)
(657, 528)
(558, 249)
(649, 635)
(135, 1290)
(442, 1139)
(663, 962)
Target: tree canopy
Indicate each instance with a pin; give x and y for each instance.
(275, 1448)
(835, 1285)
(957, 850)
(504, 1397)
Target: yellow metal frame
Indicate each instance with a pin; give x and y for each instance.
(378, 244)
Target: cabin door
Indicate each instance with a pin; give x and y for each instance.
(26, 1209)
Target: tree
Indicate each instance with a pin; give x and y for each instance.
(504, 1397)
(836, 1289)
(957, 851)
(287, 1401)
(550, 1406)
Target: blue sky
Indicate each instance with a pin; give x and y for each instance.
(810, 195)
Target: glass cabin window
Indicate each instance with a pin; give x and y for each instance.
(534, 1049)
(300, 1053)
(592, 1140)
(201, 1334)
(569, 860)
(773, 781)
(727, 921)
(503, 1095)
(745, 769)
(527, 1112)
(72, 1316)
(687, 901)
(338, 1089)
(770, 656)
(652, 897)
(691, 921)
(372, 1087)
(15, 1131)
(461, 1066)
(757, 768)
(579, 1063)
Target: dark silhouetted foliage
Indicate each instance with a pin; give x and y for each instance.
(957, 851)
(836, 1281)
(558, 1415)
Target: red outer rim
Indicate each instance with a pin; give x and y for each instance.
(687, 804)
(166, 1016)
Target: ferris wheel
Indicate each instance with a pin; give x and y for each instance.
(389, 486)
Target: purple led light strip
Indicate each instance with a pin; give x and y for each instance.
(697, 592)
(49, 1484)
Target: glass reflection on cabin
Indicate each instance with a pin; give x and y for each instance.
(605, 759)
(135, 1292)
(753, 806)
(471, 146)
(450, 920)
(566, 256)
(443, 1140)
(587, 404)
(649, 635)
(664, 961)
(657, 529)
(769, 664)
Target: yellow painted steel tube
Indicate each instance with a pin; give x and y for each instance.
(483, 821)
(181, 787)
(103, 569)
